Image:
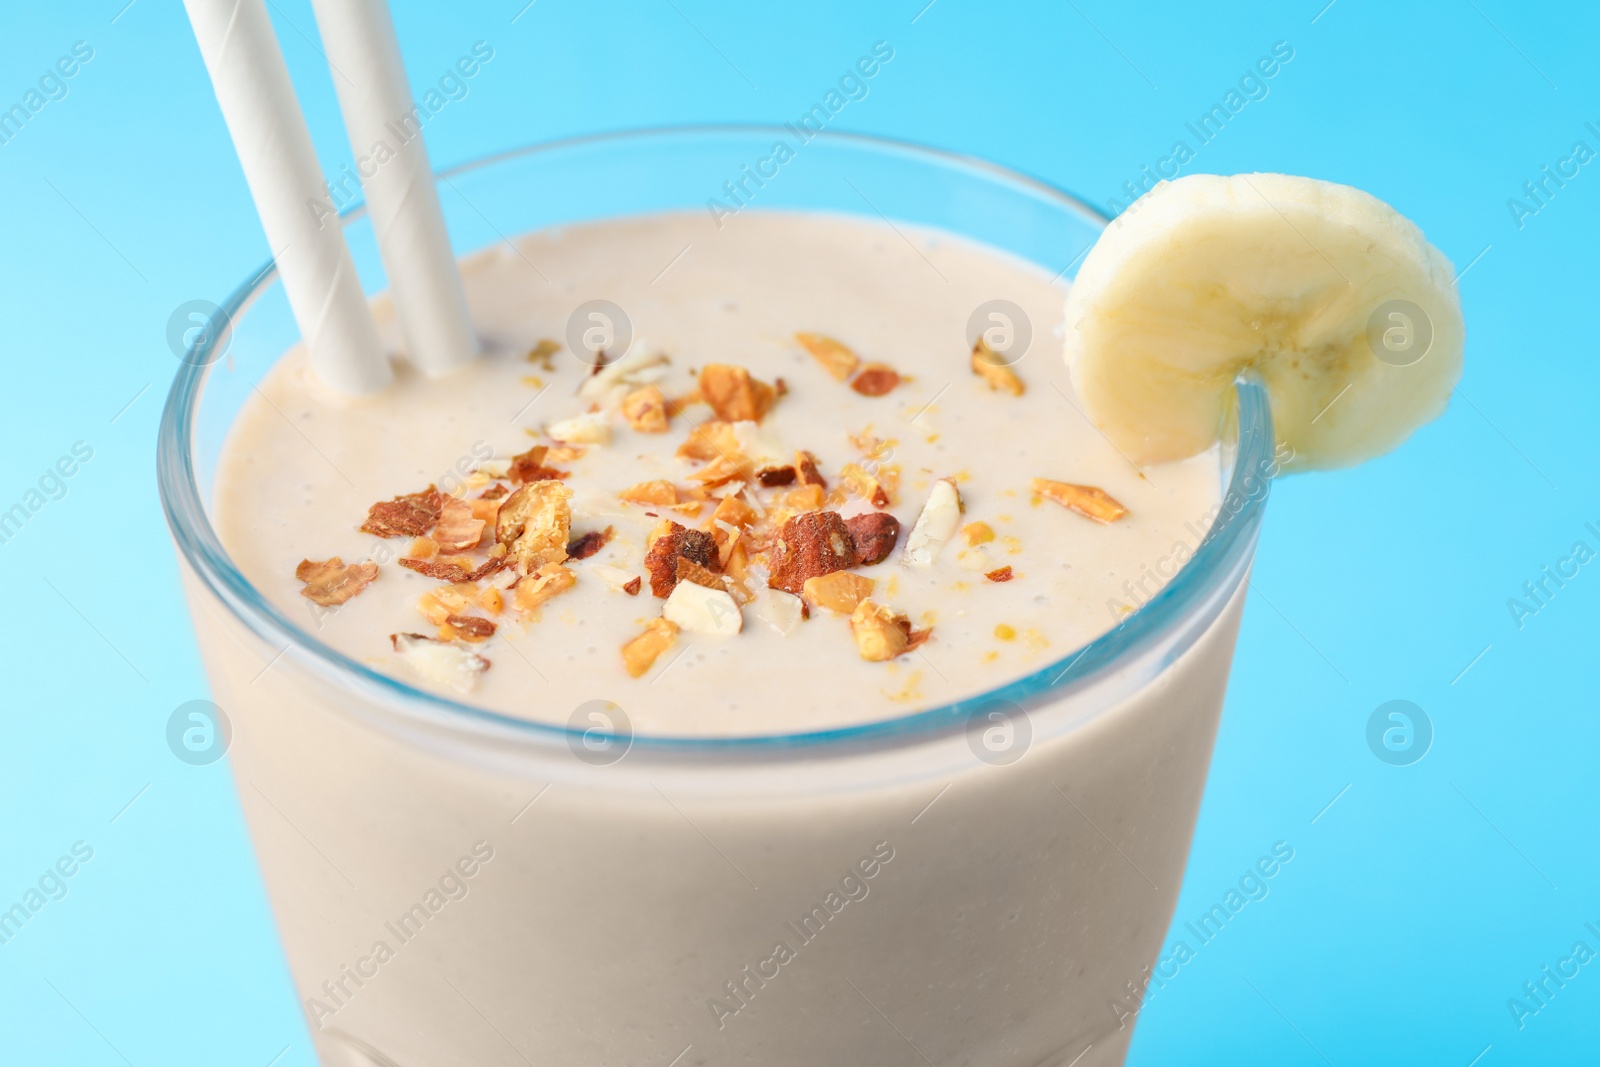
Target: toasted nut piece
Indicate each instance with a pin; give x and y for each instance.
(590, 428)
(690, 571)
(875, 379)
(773, 477)
(1000, 574)
(441, 602)
(805, 466)
(835, 358)
(641, 652)
(840, 591)
(1086, 500)
(472, 628)
(733, 394)
(874, 534)
(660, 492)
(734, 512)
(457, 530)
(991, 367)
(977, 533)
(405, 516)
(805, 498)
(488, 509)
(423, 548)
(779, 610)
(590, 543)
(703, 610)
(440, 662)
(615, 577)
(331, 582)
(710, 440)
(446, 569)
(936, 525)
(864, 485)
(670, 542)
(720, 471)
(529, 466)
(549, 581)
(646, 410)
(881, 633)
(534, 524)
(808, 545)
(632, 587)
(492, 600)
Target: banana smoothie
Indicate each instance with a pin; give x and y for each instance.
(695, 678)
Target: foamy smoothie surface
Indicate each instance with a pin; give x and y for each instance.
(801, 497)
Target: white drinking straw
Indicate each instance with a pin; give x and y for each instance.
(269, 133)
(385, 129)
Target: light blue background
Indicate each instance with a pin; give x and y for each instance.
(1415, 905)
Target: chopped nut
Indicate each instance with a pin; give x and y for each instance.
(991, 367)
(719, 471)
(632, 587)
(492, 600)
(1000, 574)
(881, 633)
(440, 662)
(565, 454)
(840, 591)
(700, 609)
(471, 627)
(734, 512)
(670, 542)
(534, 524)
(494, 492)
(805, 466)
(936, 525)
(590, 428)
(548, 581)
(423, 548)
(805, 498)
(590, 543)
(331, 582)
(497, 561)
(529, 467)
(1086, 500)
(657, 492)
(690, 571)
(773, 477)
(808, 545)
(446, 570)
(457, 530)
(646, 410)
(779, 610)
(640, 653)
(977, 533)
(486, 510)
(874, 535)
(615, 577)
(864, 485)
(733, 394)
(875, 379)
(404, 516)
(838, 360)
(709, 440)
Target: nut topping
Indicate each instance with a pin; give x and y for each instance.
(1086, 500)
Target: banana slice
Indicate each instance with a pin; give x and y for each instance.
(1335, 299)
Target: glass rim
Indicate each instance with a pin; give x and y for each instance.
(1221, 557)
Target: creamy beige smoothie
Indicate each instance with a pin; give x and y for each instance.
(1015, 579)
(454, 891)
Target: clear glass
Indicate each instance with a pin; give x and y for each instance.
(632, 905)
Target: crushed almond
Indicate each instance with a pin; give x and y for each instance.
(590, 428)
(332, 582)
(405, 516)
(669, 543)
(492, 600)
(991, 367)
(548, 581)
(633, 586)
(656, 492)
(733, 394)
(423, 548)
(709, 440)
(646, 410)
(805, 467)
(640, 653)
(805, 498)
(702, 609)
(935, 525)
(774, 477)
(534, 524)
(445, 570)
(880, 632)
(808, 545)
(999, 574)
(874, 534)
(440, 662)
(590, 543)
(837, 359)
(471, 627)
(1087, 500)
(529, 466)
(840, 591)
(875, 379)
(864, 485)
(457, 529)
